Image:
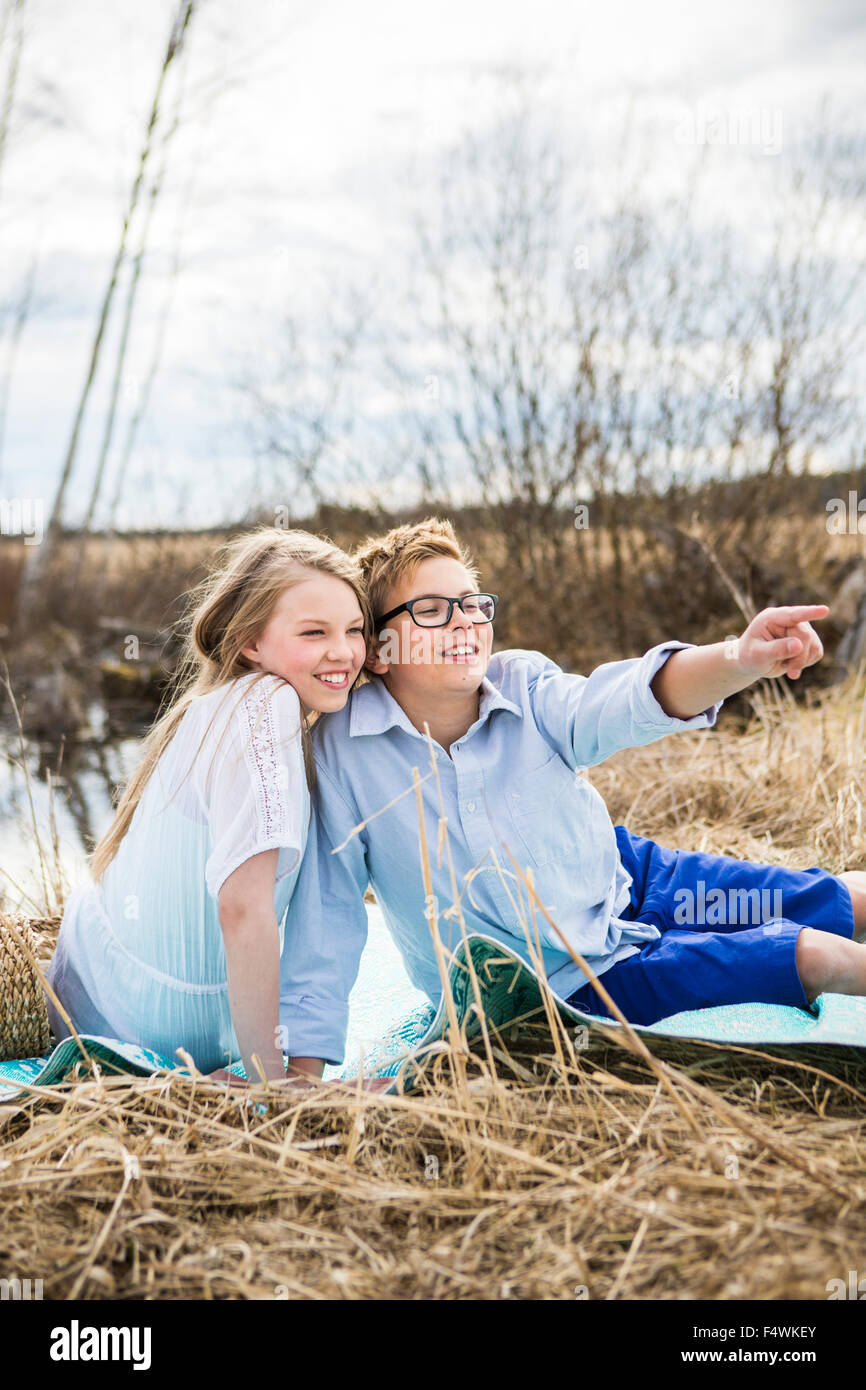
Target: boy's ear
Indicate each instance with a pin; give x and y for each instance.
(373, 662)
(380, 651)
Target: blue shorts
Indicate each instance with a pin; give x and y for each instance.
(716, 946)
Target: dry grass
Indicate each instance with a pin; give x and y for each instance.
(526, 1171)
(629, 586)
(527, 1184)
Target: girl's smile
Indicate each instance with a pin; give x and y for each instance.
(337, 680)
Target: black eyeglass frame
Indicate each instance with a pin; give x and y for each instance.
(423, 598)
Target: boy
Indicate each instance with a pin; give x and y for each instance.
(511, 733)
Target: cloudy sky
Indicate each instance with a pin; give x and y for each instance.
(302, 127)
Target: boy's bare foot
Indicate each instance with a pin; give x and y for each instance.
(830, 964)
(855, 882)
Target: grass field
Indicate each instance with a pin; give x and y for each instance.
(694, 1172)
(580, 595)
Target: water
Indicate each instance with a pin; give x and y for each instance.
(81, 802)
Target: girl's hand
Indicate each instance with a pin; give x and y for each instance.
(371, 1083)
(229, 1076)
(277, 1084)
(781, 641)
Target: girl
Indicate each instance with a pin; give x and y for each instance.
(176, 942)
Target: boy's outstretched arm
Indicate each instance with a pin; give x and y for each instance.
(779, 641)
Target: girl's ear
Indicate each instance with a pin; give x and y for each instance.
(251, 652)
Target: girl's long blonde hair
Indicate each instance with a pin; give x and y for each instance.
(227, 612)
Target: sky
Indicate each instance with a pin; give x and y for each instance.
(306, 132)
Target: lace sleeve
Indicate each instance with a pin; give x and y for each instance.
(254, 792)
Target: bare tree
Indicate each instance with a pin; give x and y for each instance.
(305, 417)
(12, 36)
(143, 395)
(11, 20)
(555, 356)
(129, 306)
(623, 359)
(20, 316)
(180, 25)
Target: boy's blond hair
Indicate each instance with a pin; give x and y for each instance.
(385, 560)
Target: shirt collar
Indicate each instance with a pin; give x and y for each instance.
(374, 709)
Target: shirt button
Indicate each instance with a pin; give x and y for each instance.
(470, 805)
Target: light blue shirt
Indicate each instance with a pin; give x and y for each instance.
(513, 777)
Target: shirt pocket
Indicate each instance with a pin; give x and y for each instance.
(544, 813)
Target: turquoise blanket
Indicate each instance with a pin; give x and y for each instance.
(510, 993)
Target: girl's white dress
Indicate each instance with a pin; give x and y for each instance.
(140, 954)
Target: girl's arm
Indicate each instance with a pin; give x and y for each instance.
(252, 947)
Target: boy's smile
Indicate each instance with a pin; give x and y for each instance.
(461, 651)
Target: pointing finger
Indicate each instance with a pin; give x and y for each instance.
(800, 613)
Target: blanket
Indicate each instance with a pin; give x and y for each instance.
(510, 994)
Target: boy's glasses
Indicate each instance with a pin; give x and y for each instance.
(434, 610)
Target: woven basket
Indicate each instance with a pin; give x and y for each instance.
(24, 1030)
